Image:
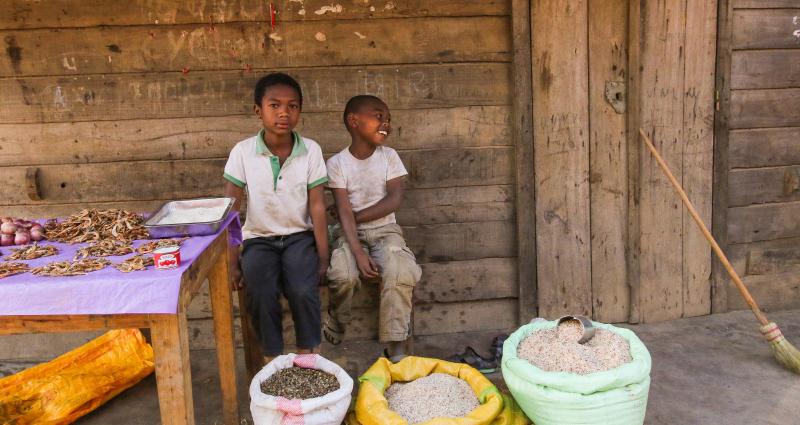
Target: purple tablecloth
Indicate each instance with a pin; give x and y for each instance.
(107, 291)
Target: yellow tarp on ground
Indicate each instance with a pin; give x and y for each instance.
(70, 386)
(372, 408)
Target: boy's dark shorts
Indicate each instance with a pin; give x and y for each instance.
(285, 265)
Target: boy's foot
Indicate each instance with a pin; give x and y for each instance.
(394, 359)
(332, 334)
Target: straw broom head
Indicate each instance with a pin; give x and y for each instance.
(782, 349)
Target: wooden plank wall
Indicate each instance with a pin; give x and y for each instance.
(612, 238)
(762, 153)
(130, 104)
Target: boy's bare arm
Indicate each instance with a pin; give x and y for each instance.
(347, 220)
(395, 188)
(237, 193)
(316, 208)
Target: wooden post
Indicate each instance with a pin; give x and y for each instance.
(523, 141)
(222, 307)
(719, 210)
(253, 357)
(173, 372)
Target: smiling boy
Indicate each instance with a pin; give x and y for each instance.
(368, 181)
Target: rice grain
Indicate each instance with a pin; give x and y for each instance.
(557, 350)
(434, 396)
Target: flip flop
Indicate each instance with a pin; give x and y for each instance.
(472, 358)
(497, 347)
(331, 334)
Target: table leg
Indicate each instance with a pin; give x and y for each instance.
(254, 360)
(173, 373)
(222, 307)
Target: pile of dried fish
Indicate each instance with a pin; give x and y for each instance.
(103, 248)
(149, 247)
(32, 252)
(94, 225)
(71, 268)
(9, 269)
(135, 263)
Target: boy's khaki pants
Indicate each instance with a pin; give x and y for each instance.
(399, 274)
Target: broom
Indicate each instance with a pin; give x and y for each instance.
(786, 354)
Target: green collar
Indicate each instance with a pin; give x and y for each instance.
(298, 148)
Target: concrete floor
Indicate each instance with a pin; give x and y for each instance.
(707, 370)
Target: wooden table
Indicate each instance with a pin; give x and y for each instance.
(169, 336)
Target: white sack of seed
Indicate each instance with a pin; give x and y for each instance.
(557, 350)
(437, 395)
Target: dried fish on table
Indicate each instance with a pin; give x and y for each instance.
(32, 252)
(135, 263)
(94, 225)
(104, 248)
(9, 269)
(71, 268)
(151, 246)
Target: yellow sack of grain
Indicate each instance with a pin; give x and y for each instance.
(372, 407)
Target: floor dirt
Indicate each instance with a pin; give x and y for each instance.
(706, 370)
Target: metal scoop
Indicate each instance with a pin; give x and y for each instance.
(586, 326)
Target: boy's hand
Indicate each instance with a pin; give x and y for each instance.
(237, 280)
(367, 266)
(323, 273)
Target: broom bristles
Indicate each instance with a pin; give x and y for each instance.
(785, 353)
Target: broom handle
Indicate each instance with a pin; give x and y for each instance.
(717, 250)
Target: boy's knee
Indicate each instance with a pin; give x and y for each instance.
(401, 267)
(302, 293)
(342, 270)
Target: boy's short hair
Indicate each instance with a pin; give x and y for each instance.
(356, 103)
(276, 79)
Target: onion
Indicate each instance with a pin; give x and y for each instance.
(22, 238)
(6, 240)
(8, 228)
(6, 220)
(37, 233)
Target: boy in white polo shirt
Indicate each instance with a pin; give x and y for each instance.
(368, 181)
(285, 247)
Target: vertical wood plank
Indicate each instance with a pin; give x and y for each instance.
(698, 122)
(561, 142)
(173, 373)
(222, 307)
(660, 212)
(608, 158)
(719, 220)
(634, 148)
(523, 141)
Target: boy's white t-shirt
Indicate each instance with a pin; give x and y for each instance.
(277, 196)
(365, 179)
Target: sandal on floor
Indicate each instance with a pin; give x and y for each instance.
(496, 348)
(331, 334)
(472, 358)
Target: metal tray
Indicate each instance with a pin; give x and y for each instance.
(158, 231)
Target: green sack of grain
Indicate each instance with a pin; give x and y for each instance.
(613, 397)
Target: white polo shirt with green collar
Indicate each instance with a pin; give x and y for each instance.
(277, 196)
